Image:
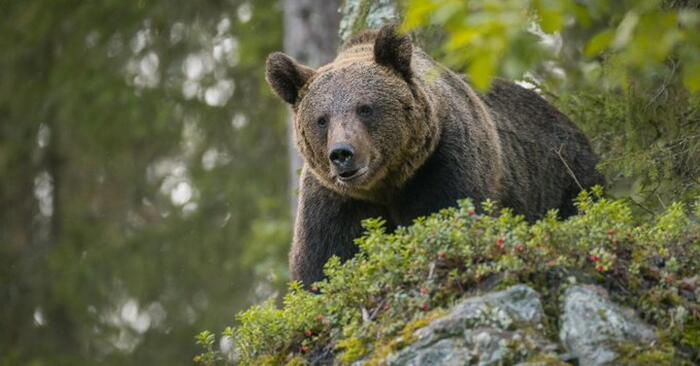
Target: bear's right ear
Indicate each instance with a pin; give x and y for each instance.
(286, 76)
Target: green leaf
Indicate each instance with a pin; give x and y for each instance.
(463, 38)
(691, 77)
(600, 43)
(551, 20)
(625, 30)
(418, 14)
(551, 15)
(482, 70)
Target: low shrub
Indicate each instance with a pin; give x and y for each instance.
(371, 304)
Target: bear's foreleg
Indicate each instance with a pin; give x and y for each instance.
(327, 224)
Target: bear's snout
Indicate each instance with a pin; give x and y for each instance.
(348, 151)
(342, 156)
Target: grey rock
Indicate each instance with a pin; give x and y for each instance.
(497, 328)
(592, 326)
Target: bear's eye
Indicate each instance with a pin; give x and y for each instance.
(322, 122)
(364, 110)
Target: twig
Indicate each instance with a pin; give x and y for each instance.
(642, 206)
(662, 202)
(365, 315)
(664, 85)
(368, 317)
(571, 172)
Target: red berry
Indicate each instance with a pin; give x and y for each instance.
(600, 268)
(309, 334)
(501, 243)
(472, 213)
(520, 248)
(304, 349)
(595, 258)
(426, 307)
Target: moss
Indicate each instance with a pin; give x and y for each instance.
(270, 360)
(361, 19)
(545, 359)
(660, 354)
(406, 338)
(675, 347)
(603, 314)
(690, 337)
(353, 350)
(354, 18)
(687, 337)
(297, 361)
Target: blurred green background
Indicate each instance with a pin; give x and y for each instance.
(143, 176)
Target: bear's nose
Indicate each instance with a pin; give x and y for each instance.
(341, 155)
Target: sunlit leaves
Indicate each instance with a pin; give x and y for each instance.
(551, 14)
(691, 76)
(483, 35)
(599, 43)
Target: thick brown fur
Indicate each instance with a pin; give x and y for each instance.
(423, 140)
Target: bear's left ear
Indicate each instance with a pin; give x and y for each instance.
(394, 49)
(286, 76)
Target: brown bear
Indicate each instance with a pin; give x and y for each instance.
(385, 131)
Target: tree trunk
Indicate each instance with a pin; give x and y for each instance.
(367, 14)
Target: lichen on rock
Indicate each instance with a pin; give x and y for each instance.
(496, 328)
(592, 326)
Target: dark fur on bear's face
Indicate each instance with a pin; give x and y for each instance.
(366, 100)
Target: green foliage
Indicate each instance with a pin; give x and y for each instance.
(206, 340)
(648, 138)
(400, 280)
(496, 37)
(135, 200)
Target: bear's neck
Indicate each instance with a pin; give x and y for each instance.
(461, 155)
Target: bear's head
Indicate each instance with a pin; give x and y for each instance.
(362, 122)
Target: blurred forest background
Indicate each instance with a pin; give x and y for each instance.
(143, 176)
(146, 185)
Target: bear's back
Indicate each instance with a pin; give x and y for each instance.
(548, 158)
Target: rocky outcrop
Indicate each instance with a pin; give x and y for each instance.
(507, 327)
(491, 329)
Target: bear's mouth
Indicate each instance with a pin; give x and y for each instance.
(350, 175)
